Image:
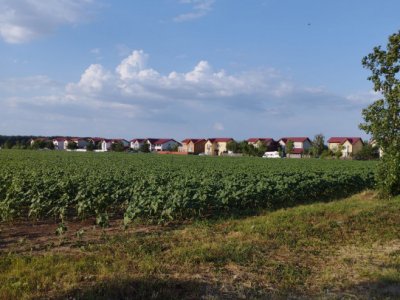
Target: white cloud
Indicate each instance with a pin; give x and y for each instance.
(134, 96)
(24, 20)
(200, 8)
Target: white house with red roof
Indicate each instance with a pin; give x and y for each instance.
(193, 146)
(107, 143)
(216, 146)
(348, 145)
(60, 143)
(135, 144)
(162, 144)
(256, 142)
(300, 145)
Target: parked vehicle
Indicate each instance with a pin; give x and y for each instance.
(271, 154)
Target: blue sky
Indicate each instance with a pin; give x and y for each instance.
(188, 68)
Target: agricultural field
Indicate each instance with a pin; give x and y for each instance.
(160, 188)
(177, 227)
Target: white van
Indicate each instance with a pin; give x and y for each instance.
(271, 154)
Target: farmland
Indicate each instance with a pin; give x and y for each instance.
(158, 188)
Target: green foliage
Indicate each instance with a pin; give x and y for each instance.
(72, 145)
(145, 147)
(117, 147)
(339, 152)
(163, 188)
(289, 147)
(318, 145)
(382, 118)
(368, 152)
(90, 146)
(246, 148)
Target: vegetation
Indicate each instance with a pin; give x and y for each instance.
(117, 147)
(368, 152)
(382, 118)
(62, 185)
(346, 249)
(249, 149)
(72, 145)
(289, 147)
(318, 145)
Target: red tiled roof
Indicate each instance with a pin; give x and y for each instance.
(221, 140)
(295, 139)
(195, 141)
(163, 141)
(342, 140)
(297, 151)
(255, 140)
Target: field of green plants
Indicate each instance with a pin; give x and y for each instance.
(65, 185)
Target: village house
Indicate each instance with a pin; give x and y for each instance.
(80, 142)
(216, 146)
(193, 146)
(60, 143)
(106, 143)
(256, 142)
(300, 146)
(348, 145)
(162, 144)
(135, 144)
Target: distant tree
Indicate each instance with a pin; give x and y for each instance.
(318, 145)
(382, 118)
(233, 146)
(8, 144)
(289, 147)
(90, 146)
(174, 148)
(49, 145)
(72, 146)
(339, 152)
(117, 147)
(145, 147)
(368, 152)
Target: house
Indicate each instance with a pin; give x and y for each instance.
(193, 146)
(60, 143)
(300, 146)
(373, 143)
(96, 141)
(162, 144)
(135, 144)
(256, 142)
(107, 143)
(80, 142)
(349, 145)
(216, 146)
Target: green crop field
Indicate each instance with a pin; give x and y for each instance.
(61, 185)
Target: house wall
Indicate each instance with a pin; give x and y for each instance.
(333, 146)
(166, 146)
(136, 145)
(307, 145)
(209, 148)
(82, 143)
(222, 147)
(357, 147)
(105, 146)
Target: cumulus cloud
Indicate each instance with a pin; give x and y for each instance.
(24, 20)
(202, 99)
(200, 8)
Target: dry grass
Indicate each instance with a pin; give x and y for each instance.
(343, 249)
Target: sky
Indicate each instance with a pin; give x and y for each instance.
(188, 68)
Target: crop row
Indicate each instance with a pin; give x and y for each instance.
(161, 188)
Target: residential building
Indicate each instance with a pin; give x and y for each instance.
(300, 146)
(256, 142)
(193, 146)
(135, 144)
(348, 145)
(162, 144)
(216, 146)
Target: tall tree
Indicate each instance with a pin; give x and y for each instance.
(289, 147)
(382, 118)
(318, 145)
